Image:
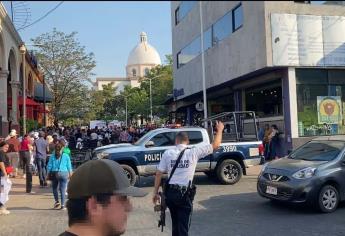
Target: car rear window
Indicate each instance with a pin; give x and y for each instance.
(318, 151)
(195, 137)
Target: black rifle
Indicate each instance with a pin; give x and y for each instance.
(162, 207)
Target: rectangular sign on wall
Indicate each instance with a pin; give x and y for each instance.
(329, 110)
(307, 40)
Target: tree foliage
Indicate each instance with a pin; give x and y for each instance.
(67, 68)
(161, 86)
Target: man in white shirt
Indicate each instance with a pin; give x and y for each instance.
(178, 200)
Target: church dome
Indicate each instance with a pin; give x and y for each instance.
(143, 53)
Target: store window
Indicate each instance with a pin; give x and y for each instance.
(265, 100)
(221, 104)
(320, 102)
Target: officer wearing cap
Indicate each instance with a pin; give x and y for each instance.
(179, 203)
(98, 201)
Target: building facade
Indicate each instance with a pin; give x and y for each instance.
(11, 80)
(141, 59)
(284, 60)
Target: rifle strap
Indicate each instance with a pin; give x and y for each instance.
(176, 164)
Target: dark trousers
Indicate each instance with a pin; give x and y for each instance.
(28, 169)
(180, 207)
(41, 166)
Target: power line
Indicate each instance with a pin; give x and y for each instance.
(41, 18)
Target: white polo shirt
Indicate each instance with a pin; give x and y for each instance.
(186, 167)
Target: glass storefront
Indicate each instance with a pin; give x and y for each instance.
(221, 104)
(265, 100)
(320, 102)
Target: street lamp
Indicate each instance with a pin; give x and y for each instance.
(151, 117)
(126, 106)
(22, 50)
(203, 64)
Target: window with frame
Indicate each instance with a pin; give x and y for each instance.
(177, 15)
(164, 139)
(134, 72)
(183, 10)
(195, 137)
(188, 53)
(222, 28)
(208, 39)
(237, 18)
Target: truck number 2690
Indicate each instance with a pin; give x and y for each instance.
(229, 148)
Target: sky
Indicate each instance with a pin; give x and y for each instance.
(108, 29)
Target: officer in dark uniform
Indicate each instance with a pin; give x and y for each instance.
(178, 199)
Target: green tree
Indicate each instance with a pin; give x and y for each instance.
(137, 102)
(161, 86)
(100, 104)
(67, 69)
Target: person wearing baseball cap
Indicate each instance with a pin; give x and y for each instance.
(98, 202)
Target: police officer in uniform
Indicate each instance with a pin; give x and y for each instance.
(179, 203)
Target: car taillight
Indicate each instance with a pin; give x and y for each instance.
(261, 149)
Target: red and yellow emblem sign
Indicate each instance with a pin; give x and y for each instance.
(329, 109)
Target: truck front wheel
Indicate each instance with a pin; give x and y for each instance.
(229, 171)
(130, 173)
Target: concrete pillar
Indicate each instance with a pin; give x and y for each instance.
(290, 107)
(14, 115)
(3, 95)
(3, 102)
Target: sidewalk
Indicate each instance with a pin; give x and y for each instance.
(31, 214)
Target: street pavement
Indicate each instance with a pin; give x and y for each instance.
(218, 210)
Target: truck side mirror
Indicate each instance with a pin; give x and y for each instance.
(150, 144)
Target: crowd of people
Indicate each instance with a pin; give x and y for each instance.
(34, 153)
(86, 138)
(48, 154)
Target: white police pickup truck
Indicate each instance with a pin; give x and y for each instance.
(240, 148)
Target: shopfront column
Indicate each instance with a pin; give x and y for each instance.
(290, 106)
(3, 100)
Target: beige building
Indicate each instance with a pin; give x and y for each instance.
(10, 61)
(141, 59)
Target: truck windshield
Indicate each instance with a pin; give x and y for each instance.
(318, 151)
(141, 141)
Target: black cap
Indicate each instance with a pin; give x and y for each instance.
(101, 177)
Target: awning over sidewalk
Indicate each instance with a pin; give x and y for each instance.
(28, 101)
(39, 93)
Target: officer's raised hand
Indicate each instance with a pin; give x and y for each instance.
(218, 137)
(219, 126)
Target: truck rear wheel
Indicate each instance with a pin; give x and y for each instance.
(130, 173)
(229, 171)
